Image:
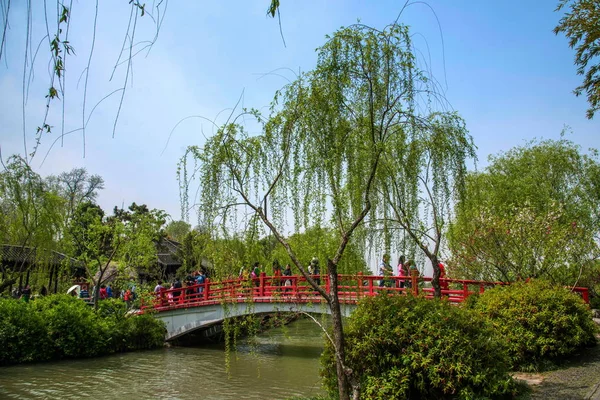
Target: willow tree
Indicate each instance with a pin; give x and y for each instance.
(320, 155)
(30, 217)
(422, 174)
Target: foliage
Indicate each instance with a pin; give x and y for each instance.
(533, 212)
(540, 323)
(581, 25)
(324, 152)
(18, 328)
(61, 326)
(410, 347)
(73, 328)
(319, 242)
(142, 229)
(31, 210)
(422, 173)
(30, 217)
(177, 230)
(128, 236)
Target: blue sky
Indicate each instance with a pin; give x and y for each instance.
(499, 63)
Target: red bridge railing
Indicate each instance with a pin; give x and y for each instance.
(295, 289)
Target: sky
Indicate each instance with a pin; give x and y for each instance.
(499, 64)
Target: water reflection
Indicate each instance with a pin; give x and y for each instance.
(279, 364)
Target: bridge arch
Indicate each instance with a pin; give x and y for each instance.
(182, 321)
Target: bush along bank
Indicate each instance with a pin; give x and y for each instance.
(539, 323)
(62, 327)
(406, 347)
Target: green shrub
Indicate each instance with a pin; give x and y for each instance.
(23, 336)
(62, 326)
(540, 323)
(144, 332)
(409, 347)
(73, 327)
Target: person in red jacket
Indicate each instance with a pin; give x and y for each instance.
(443, 283)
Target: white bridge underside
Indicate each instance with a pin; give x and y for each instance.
(185, 320)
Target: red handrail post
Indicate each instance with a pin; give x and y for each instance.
(414, 274)
(261, 284)
(295, 286)
(206, 288)
(481, 288)
(465, 291)
(585, 295)
(371, 287)
(359, 278)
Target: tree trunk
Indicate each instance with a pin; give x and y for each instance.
(50, 275)
(56, 279)
(338, 333)
(435, 281)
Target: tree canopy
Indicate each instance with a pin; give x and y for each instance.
(581, 25)
(533, 212)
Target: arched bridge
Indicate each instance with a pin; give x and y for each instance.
(206, 306)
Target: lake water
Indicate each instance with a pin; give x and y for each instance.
(283, 363)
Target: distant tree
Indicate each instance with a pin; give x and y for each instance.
(177, 230)
(127, 238)
(76, 186)
(85, 214)
(143, 229)
(98, 242)
(581, 25)
(29, 219)
(193, 250)
(533, 212)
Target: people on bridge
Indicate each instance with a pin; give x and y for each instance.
(109, 291)
(200, 280)
(402, 271)
(314, 270)
(287, 272)
(276, 273)
(412, 270)
(255, 274)
(159, 290)
(443, 283)
(386, 271)
(176, 293)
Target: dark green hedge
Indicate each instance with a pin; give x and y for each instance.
(539, 323)
(61, 326)
(404, 347)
